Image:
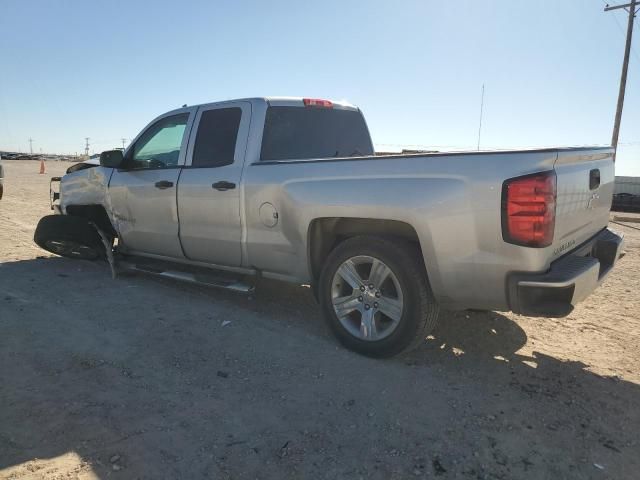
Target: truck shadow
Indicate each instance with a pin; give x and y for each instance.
(144, 370)
(489, 334)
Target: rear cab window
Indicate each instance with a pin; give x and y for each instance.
(299, 133)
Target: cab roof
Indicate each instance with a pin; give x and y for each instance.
(287, 102)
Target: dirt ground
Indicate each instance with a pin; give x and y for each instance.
(138, 378)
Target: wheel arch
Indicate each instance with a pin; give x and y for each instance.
(325, 233)
(94, 213)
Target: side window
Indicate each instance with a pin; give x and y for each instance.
(216, 138)
(159, 145)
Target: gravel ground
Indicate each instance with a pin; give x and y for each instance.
(138, 378)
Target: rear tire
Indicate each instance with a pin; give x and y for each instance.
(69, 236)
(385, 317)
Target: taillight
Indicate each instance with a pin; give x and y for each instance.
(316, 102)
(529, 209)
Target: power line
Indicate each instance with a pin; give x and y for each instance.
(633, 52)
(481, 112)
(422, 146)
(86, 146)
(625, 70)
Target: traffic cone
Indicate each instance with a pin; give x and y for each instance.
(42, 168)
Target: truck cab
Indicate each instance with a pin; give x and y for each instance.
(176, 192)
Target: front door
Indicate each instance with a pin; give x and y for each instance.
(143, 192)
(209, 188)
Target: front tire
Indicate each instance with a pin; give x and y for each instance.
(69, 236)
(375, 296)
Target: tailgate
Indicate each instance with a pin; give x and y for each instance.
(585, 179)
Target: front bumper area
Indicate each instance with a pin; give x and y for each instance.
(54, 196)
(569, 280)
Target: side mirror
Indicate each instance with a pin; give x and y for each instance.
(111, 158)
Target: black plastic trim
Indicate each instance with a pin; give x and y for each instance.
(554, 301)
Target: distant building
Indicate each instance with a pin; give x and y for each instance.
(630, 185)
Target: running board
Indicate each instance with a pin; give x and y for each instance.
(199, 277)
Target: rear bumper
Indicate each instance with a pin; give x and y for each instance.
(569, 280)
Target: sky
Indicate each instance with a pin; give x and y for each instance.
(551, 68)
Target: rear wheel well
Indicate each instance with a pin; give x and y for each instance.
(94, 213)
(325, 234)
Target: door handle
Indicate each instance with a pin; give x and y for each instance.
(164, 184)
(224, 186)
(594, 179)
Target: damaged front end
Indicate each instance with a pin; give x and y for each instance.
(55, 183)
(54, 195)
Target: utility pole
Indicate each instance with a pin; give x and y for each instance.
(631, 8)
(124, 140)
(30, 146)
(86, 146)
(481, 111)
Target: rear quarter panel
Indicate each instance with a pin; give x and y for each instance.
(452, 201)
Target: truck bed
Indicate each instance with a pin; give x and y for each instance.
(453, 200)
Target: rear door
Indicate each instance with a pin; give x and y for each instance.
(585, 181)
(209, 185)
(143, 192)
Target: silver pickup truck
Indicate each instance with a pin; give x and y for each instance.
(290, 189)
